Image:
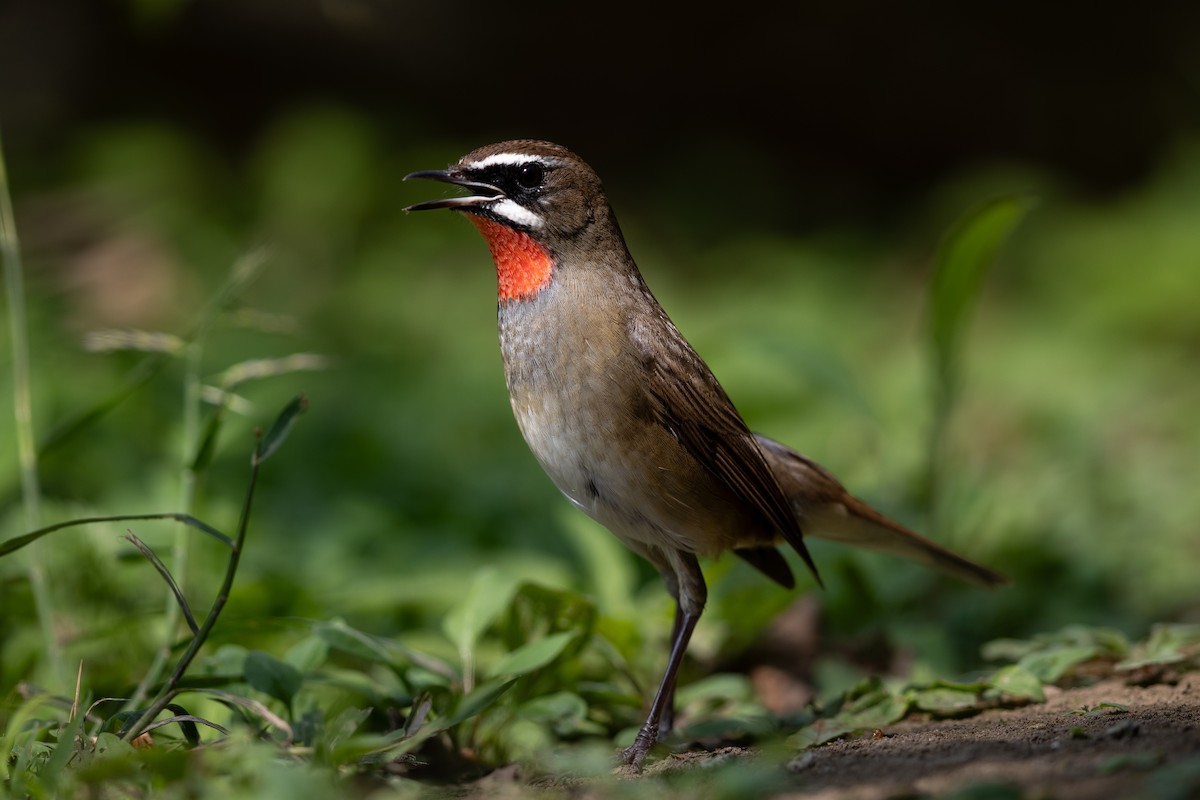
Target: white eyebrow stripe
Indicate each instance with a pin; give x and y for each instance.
(515, 212)
(509, 159)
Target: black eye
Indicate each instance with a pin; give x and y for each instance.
(530, 176)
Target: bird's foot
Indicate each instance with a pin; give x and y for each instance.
(635, 754)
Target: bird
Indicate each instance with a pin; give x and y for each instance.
(626, 418)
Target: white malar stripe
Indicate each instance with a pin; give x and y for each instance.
(515, 212)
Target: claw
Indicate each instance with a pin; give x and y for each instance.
(635, 754)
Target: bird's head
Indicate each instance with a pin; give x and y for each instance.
(533, 202)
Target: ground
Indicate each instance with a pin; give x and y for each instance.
(1105, 741)
(1048, 750)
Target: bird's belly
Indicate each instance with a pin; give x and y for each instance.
(561, 447)
(574, 446)
(625, 473)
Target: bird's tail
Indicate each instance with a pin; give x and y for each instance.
(827, 511)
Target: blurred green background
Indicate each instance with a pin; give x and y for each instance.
(783, 179)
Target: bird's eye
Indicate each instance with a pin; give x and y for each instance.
(530, 176)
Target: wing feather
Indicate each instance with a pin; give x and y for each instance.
(690, 403)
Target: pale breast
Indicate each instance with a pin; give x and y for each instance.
(582, 407)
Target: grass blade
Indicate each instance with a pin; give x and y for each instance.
(17, 542)
(187, 724)
(962, 263)
(253, 706)
(14, 290)
(279, 430)
(153, 558)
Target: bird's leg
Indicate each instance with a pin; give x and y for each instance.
(666, 722)
(686, 578)
(648, 735)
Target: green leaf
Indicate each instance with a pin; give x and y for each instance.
(278, 431)
(1167, 644)
(354, 642)
(819, 733)
(867, 706)
(719, 688)
(208, 440)
(534, 655)
(241, 705)
(227, 661)
(487, 598)
(180, 600)
(308, 653)
(1007, 649)
(340, 636)
(883, 708)
(565, 712)
(944, 701)
(421, 707)
(536, 611)
(1102, 709)
(473, 703)
(110, 746)
(864, 694)
(272, 677)
(1019, 683)
(960, 266)
(364, 683)
(187, 725)
(1050, 665)
(611, 569)
(68, 745)
(340, 729)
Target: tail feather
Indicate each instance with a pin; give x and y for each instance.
(827, 511)
(769, 562)
(854, 522)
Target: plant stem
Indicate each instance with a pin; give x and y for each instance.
(170, 688)
(14, 286)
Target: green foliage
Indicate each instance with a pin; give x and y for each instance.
(415, 597)
(1174, 644)
(273, 677)
(1103, 709)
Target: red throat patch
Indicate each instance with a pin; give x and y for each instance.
(522, 265)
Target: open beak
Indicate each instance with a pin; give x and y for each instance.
(480, 192)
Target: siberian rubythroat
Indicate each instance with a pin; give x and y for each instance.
(625, 417)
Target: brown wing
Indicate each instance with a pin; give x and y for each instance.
(690, 404)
